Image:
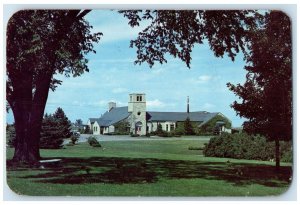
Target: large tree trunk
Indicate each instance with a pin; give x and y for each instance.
(28, 120)
(25, 149)
(277, 153)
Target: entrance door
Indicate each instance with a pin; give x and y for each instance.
(138, 128)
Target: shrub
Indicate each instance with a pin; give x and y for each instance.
(173, 133)
(87, 130)
(195, 148)
(93, 142)
(74, 138)
(287, 156)
(70, 144)
(243, 146)
(134, 135)
(10, 135)
(164, 134)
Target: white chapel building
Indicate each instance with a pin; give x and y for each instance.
(140, 121)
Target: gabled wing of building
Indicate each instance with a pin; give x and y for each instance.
(113, 116)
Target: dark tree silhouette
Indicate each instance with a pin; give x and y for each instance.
(41, 43)
(267, 93)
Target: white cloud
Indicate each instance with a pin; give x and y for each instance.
(205, 79)
(119, 90)
(117, 32)
(207, 106)
(155, 104)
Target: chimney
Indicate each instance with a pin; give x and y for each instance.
(111, 105)
(188, 105)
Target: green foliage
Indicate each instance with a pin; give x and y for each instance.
(195, 148)
(10, 135)
(185, 128)
(64, 124)
(179, 129)
(243, 146)
(210, 127)
(188, 127)
(122, 127)
(93, 142)
(74, 138)
(176, 32)
(267, 93)
(55, 128)
(159, 129)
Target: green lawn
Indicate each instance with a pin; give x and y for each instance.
(146, 168)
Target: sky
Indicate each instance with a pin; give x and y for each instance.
(113, 76)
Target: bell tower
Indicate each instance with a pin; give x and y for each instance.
(137, 108)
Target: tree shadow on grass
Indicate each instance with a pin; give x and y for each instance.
(128, 170)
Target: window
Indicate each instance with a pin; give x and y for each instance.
(139, 113)
(172, 127)
(139, 98)
(167, 127)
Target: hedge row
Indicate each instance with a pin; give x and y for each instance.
(244, 146)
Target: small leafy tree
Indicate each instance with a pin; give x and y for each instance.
(78, 122)
(87, 130)
(79, 125)
(159, 129)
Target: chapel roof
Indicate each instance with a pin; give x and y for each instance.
(181, 116)
(113, 116)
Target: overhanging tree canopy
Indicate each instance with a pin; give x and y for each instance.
(176, 32)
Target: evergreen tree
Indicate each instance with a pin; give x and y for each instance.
(64, 123)
(55, 128)
(87, 130)
(188, 127)
(159, 129)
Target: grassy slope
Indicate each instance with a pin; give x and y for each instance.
(147, 168)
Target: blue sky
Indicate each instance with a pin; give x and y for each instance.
(113, 76)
